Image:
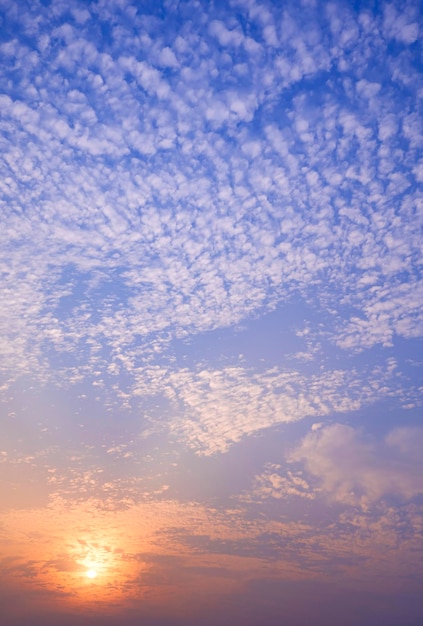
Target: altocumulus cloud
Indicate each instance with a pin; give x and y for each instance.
(168, 173)
(211, 297)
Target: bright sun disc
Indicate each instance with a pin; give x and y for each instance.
(91, 573)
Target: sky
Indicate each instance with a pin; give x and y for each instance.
(211, 319)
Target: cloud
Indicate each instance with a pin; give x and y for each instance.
(185, 179)
(354, 471)
(217, 408)
(273, 483)
(210, 231)
(400, 24)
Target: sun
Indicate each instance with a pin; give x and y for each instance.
(91, 573)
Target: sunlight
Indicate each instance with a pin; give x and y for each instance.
(91, 573)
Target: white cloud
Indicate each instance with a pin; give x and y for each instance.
(204, 194)
(167, 58)
(399, 24)
(272, 483)
(215, 409)
(225, 36)
(354, 471)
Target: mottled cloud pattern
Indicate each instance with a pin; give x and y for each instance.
(211, 303)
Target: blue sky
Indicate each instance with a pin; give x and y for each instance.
(211, 344)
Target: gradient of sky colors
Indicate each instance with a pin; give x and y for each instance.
(211, 313)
